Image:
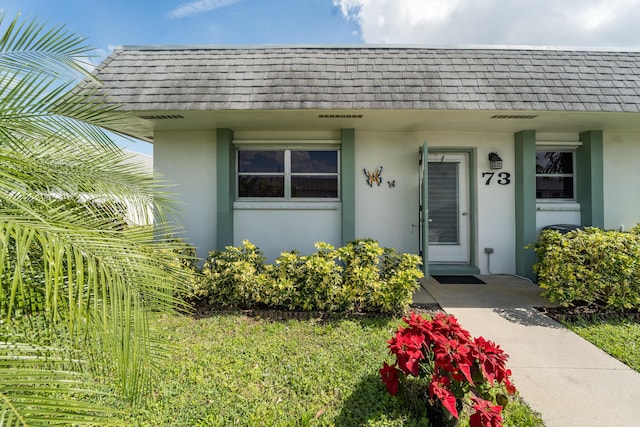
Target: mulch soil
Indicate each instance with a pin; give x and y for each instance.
(202, 309)
(589, 312)
(579, 312)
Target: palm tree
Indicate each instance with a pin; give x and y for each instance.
(78, 285)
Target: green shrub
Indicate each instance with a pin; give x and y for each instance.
(399, 276)
(232, 275)
(310, 282)
(361, 276)
(590, 265)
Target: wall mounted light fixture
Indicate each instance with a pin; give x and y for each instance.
(495, 161)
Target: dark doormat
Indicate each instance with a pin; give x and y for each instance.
(459, 280)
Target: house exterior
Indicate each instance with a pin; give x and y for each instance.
(461, 154)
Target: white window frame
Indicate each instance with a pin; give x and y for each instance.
(561, 149)
(287, 148)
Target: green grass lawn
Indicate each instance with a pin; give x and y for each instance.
(229, 369)
(619, 338)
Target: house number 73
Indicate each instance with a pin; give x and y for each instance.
(504, 178)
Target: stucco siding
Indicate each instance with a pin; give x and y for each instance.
(621, 180)
(387, 214)
(278, 230)
(188, 161)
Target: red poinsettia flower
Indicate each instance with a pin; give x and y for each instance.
(487, 414)
(418, 323)
(439, 388)
(492, 361)
(407, 346)
(448, 326)
(441, 349)
(454, 357)
(389, 376)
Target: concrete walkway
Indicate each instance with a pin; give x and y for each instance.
(567, 380)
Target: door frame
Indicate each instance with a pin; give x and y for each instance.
(472, 190)
(455, 252)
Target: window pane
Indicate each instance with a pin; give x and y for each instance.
(554, 187)
(260, 186)
(314, 161)
(552, 162)
(324, 187)
(261, 161)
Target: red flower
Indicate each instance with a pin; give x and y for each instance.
(389, 376)
(454, 357)
(448, 326)
(418, 323)
(492, 360)
(439, 388)
(441, 349)
(407, 346)
(486, 415)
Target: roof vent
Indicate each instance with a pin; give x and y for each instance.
(339, 116)
(513, 116)
(162, 117)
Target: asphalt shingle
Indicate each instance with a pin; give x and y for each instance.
(370, 77)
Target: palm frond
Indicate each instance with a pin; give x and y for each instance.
(32, 47)
(36, 390)
(68, 257)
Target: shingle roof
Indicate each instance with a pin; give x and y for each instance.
(148, 78)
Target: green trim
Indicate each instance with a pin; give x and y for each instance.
(225, 187)
(472, 168)
(348, 184)
(590, 178)
(525, 188)
(424, 214)
(473, 235)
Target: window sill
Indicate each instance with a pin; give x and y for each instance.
(559, 206)
(285, 205)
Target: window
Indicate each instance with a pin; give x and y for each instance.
(554, 175)
(288, 174)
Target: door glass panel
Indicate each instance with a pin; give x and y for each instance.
(443, 203)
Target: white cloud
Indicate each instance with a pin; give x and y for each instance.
(540, 22)
(199, 6)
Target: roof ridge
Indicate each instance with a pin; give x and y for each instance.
(497, 47)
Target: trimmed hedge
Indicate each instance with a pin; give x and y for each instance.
(358, 277)
(590, 266)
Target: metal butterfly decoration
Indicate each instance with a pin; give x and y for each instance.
(392, 183)
(373, 177)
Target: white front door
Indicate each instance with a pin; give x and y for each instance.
(448, 207)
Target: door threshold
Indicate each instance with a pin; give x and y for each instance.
(453, 269)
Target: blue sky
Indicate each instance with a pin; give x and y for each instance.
(110, 23)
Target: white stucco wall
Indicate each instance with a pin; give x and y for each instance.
(298, 227)
(390, 215)
(621, 181)
(188, 161)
